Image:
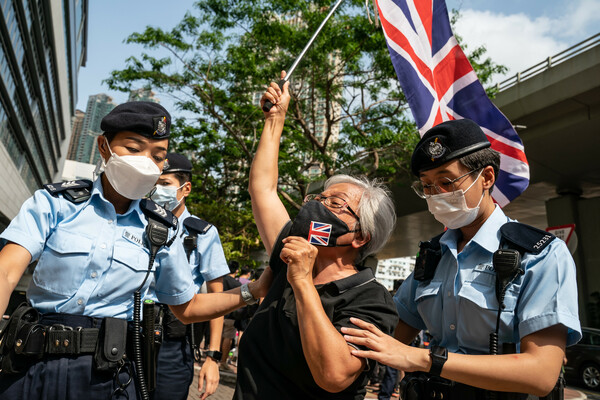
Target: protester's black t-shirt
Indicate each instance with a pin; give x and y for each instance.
(230, 283)
(271, 364)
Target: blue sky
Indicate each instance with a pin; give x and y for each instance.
(516, 33)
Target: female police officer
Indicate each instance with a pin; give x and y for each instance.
(464, 294)
(90, 243)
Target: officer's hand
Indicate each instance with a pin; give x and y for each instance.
(385, 349)
(279, 97)
(300, 257)
(210, 373)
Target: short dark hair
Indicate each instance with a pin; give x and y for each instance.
(183, 177)
(233, 266)
(481, 159)
(245, 270)
(110, 136)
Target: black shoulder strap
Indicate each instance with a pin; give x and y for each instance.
(74, 191)
(158, 213)
(524, 238)
(196, 225)
(428, 258)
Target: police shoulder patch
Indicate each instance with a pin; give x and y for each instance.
(75, 191)
(196, 225)
(526, 237)
(161, 214)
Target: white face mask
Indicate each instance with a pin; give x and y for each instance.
(131, 176)
(166, 196)
(451, 208)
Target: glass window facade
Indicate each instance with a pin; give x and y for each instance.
(32, 121)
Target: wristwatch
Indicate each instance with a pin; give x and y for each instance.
(438, 355)
(246, 295)
(214, 354)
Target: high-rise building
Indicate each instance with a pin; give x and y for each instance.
(393, 269)
(143, 94)
(76, 129)
(42, 46)
(85, 149)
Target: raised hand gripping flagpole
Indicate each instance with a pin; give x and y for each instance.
(267, 106)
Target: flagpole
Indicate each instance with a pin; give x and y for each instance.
(267, 106)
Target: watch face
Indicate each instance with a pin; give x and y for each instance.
(215, 355)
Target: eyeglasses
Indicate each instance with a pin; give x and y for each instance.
(331, 202)
(441, 185)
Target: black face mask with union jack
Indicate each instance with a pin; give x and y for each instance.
(317, 224)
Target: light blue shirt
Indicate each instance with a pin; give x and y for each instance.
(91, 260)
(207, 260)
(459, 305)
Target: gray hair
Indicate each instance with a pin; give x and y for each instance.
(375, 209)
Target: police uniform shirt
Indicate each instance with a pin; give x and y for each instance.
(459, 305)
(91, 259)
(208, 258)
(207, 261)
(271, 363)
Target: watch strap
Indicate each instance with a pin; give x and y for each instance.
(246, 295)
(214, 354)
(438, 355)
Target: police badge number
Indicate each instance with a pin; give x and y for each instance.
(160, 126)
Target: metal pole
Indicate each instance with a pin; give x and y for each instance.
(267, 106)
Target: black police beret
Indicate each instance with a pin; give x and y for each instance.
(177, 163)
(445, 142)
(143, 117)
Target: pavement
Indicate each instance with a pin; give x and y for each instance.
(227, 386)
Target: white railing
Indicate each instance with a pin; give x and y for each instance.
(550, 62)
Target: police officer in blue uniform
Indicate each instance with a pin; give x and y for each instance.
(93, 243)
(207, 263)
(484, 288)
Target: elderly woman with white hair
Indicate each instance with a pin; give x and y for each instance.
(293, 347)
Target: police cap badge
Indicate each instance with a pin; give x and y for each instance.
(143, 117)
(445, 142)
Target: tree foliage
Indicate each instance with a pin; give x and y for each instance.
(347, 114)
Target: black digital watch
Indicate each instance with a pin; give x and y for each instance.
(438, 355)
(214, 354)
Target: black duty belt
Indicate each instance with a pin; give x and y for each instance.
(61, 334)
(56, 339)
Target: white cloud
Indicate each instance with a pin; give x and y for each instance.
(519, 41)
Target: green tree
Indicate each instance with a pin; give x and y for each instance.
(347, 114)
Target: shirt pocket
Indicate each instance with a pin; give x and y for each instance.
(64, 260)
(479, 311)
(126, 273)
(481, 291)
(429, 305)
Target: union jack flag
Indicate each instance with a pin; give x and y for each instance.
(440, 84)
(319, 233)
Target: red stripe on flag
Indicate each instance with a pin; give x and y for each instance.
(401, 40)
(438, 117)
(453, 67)
(425, 10)
(507, 150)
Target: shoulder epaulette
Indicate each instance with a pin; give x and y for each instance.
(161, 214)
(526, 238)
(196, 225)
(74, 191)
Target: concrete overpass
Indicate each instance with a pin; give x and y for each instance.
(555, 106)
